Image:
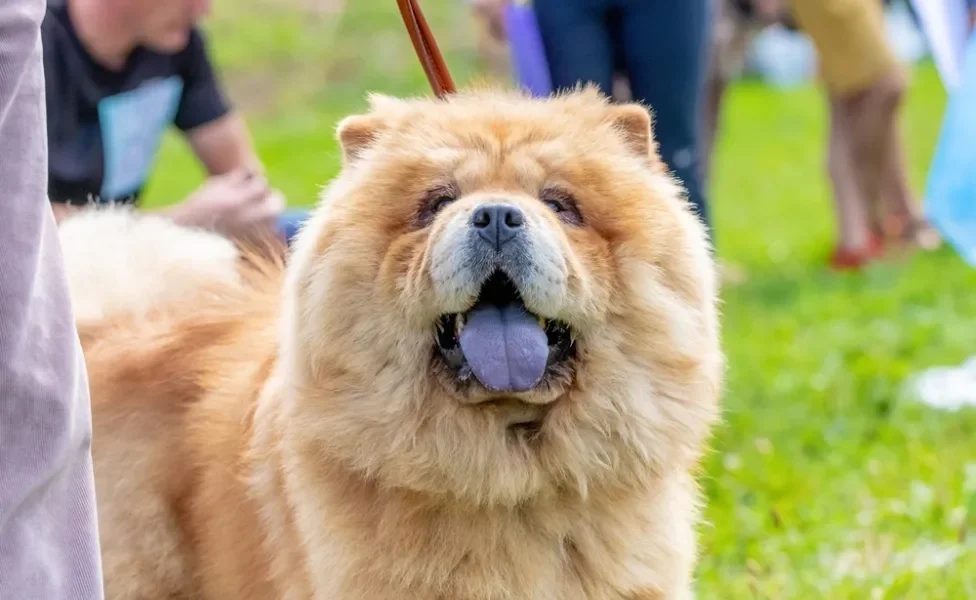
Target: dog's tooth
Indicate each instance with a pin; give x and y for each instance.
(458, 324)
(542, 322)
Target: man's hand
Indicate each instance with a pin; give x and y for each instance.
(237, 204)
(972, 19)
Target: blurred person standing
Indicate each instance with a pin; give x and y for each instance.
(49, 546)
(865, 85)
(661, 47)
(119, 73)
(736, 25)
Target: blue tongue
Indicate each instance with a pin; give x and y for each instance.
(505, 347)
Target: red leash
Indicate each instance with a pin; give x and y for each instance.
(426, 47)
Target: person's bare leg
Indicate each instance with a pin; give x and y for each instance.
(898, 202)
(850, 205)
(902, 214)
(871, 115)
(715, 87)
(898, 197)
(730, 38)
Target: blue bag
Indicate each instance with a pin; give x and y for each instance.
(950, 194)
(527, 52)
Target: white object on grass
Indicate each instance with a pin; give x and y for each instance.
(946, 388)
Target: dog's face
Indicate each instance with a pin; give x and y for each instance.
(502, 297)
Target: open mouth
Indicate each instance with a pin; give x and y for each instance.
(503, 345)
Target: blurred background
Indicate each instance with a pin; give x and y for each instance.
(831, 477)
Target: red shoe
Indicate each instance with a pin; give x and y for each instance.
(876, 245)
(845, 259)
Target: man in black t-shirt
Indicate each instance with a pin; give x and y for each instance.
(118, 73)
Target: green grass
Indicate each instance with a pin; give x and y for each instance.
(825, 481)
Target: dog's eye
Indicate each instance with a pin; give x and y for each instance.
(563, 205)
(556, 206)
(436, 200)
(440, 202)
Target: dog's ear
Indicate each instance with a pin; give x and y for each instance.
(634, 123)
(356, 134)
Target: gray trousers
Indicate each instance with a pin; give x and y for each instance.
(48, 534)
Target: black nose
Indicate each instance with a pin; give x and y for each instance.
(497, 224)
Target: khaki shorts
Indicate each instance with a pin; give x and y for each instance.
(851, 41)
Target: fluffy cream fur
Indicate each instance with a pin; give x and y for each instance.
(118, 260)
(285, 435)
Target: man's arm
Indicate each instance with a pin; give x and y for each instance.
(224, 145)
(48, 533)
(217, 134)
(237, 196)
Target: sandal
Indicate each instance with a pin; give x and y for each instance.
(913, 231)
(924, 236)
(849, 259)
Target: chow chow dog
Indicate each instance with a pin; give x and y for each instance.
(488, 371)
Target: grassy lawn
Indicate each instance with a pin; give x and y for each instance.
(825, 481)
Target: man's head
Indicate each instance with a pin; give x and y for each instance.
(162, 25)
